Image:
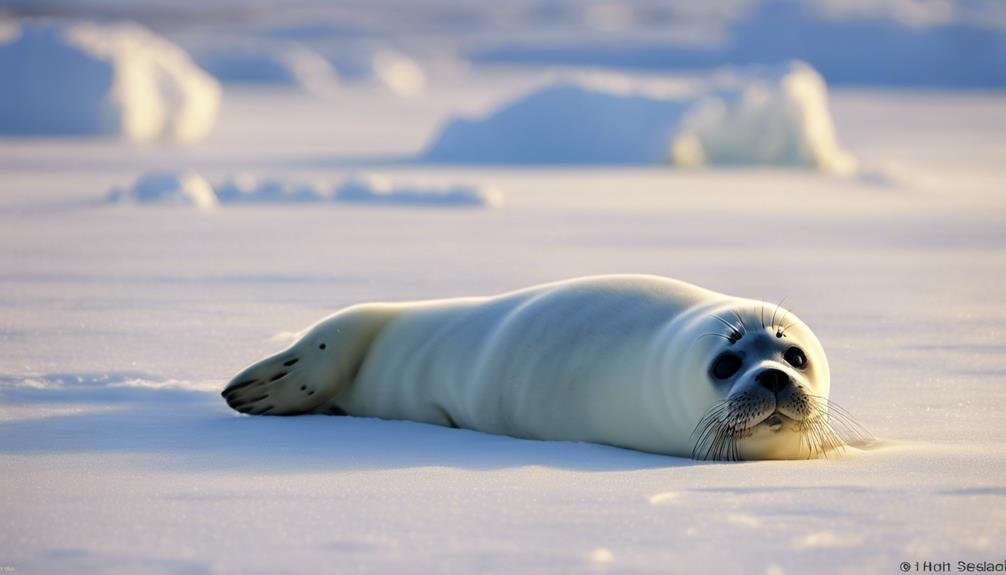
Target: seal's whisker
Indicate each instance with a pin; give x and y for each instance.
(823, 440)
(729, 325)
(718, 443)
(707, 429)
(824, 427)
(807, 438)
(851, 429)
(842, 422)
(782, 321)
(786, 327)
(735, 333)
(714, 433)
(820, 436)
(811, 435)
(777, 306)
(851, 432)
(831, 441)
(744, 326)
(701, 448)
(813, 440)
(714, 333)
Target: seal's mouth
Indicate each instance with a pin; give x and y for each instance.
(825, 427)
(775, 421)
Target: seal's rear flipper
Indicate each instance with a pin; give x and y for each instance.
(309, 376)
(279, 385)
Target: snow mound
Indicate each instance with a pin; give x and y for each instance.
(88, 78)
(398, 73)
(778, 117)
(564, 123)
(767, 116)
(295, 67)
(186, 188)
(246, 189)
(377, 189)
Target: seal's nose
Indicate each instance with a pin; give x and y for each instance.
(773, 379)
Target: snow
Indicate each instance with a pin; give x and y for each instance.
(761, 116)
(87, 78)
(564, 123)
(781, 118)
(378, 189)
(189, 188)
(399, 73)
(184, 188)
(120, 325)
(289, 66)
(245, 188)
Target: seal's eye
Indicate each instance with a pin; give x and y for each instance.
(726, 365)
(795, 357)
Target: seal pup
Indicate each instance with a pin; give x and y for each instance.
(636, 361)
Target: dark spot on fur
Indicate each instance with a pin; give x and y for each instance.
(290, 362)
(303, 387)
(311, 392)
(279, 375)
(322, 346)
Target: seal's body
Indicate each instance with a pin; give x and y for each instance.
(642, 362)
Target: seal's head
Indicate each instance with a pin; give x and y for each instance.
(769, 375)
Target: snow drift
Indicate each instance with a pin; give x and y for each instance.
(247, 189)
(774, 116)
(185, 188)
(376, 189)
(400, 74)
(88, 78)
(315, 70)
(565, 123)
(188, 188)
(777, 117)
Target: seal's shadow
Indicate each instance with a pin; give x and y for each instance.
(137, 414)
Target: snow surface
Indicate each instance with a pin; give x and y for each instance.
(120, 324)
(772, 116)
(87, 78)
